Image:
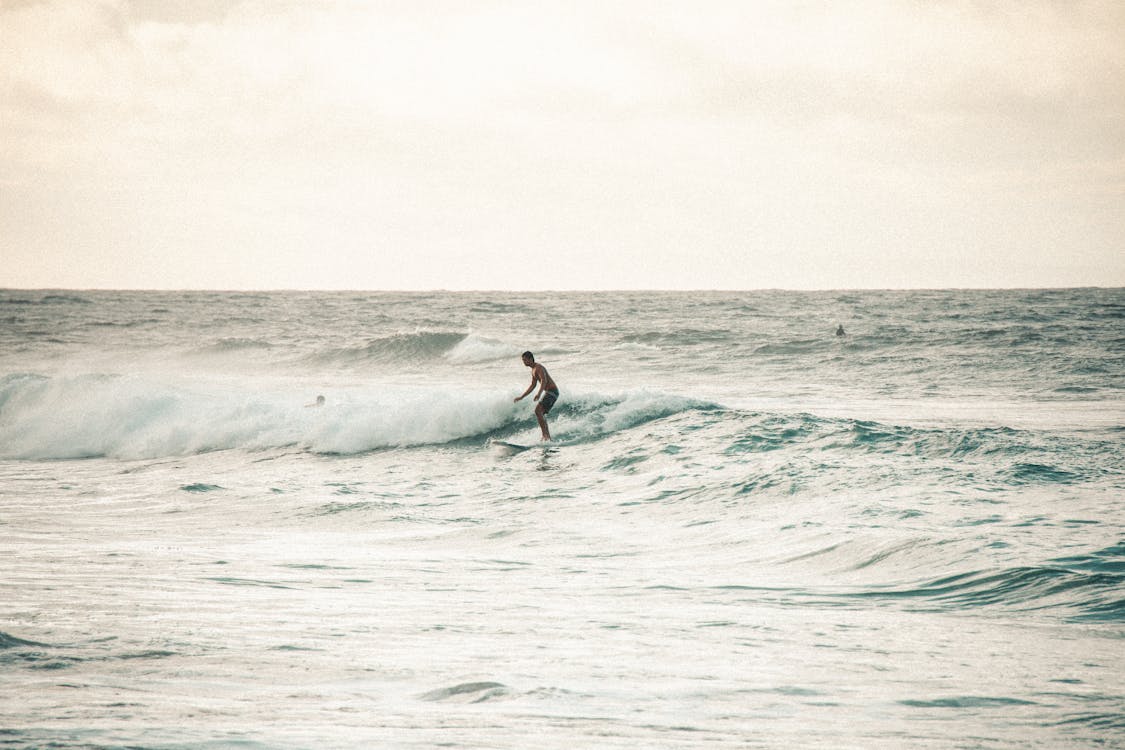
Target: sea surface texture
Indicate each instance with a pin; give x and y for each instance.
(749, 532)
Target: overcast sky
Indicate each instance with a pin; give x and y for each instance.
(407, 144)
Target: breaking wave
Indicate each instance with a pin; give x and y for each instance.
(415, 348)
(138, 416)
(96, 415)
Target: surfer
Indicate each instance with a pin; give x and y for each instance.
(547, 389)
(840, 330)
(318, 403)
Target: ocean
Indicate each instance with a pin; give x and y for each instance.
(748, 532)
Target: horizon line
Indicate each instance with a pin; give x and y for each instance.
(639, 290)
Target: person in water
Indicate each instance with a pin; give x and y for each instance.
(840, 330)
(547, 389)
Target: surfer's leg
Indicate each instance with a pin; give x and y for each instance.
(542, 422)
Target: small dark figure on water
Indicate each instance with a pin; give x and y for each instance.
(547, 389)
(840, 330)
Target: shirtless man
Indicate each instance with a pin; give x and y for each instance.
(547, 389)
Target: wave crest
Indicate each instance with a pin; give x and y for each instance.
(1090, 595)
(416, 348)
(131, 417)
(395, 348)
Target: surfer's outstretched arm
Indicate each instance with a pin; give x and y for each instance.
(530, 388)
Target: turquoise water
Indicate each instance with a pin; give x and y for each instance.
(749, 532)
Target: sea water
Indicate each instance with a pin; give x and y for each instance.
(748, 532)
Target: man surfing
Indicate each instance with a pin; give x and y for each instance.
(547, 389)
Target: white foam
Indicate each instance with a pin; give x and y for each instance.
(409, 416)
(146, 417)
(474, 348)
(149, 416)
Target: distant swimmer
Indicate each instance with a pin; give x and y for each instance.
(547, 389)
(840, 331)
(319, 402)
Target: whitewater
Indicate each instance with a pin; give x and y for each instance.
(748, 532)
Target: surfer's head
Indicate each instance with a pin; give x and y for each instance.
(528, 358)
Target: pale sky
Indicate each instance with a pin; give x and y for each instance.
(407, 144)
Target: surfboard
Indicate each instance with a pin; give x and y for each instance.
(506, 448)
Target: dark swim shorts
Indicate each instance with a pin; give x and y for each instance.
(548, 399)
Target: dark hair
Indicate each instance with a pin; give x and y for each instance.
(529, 355)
